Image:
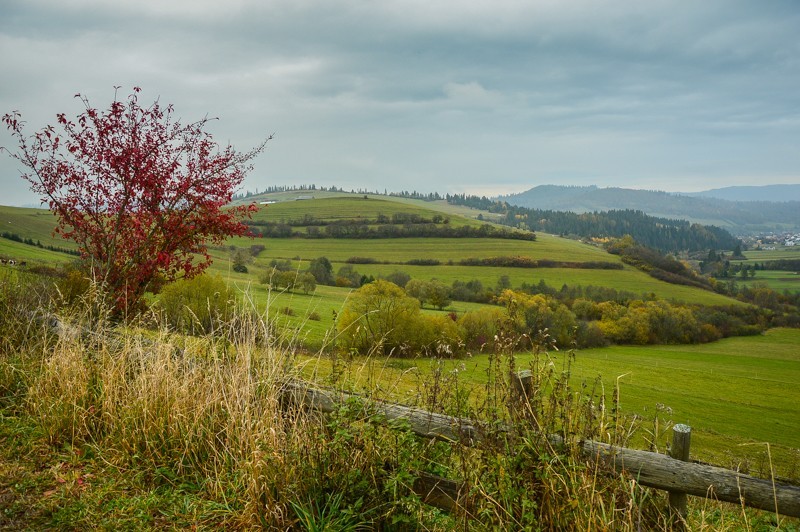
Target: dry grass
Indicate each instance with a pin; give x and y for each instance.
(144, 428)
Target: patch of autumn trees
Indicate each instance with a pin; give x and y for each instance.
(383, 317)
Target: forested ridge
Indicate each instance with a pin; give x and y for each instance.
(663, 234)
(749, 213)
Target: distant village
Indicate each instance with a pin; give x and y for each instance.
(772, 241)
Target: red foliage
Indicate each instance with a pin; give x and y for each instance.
(140, 193)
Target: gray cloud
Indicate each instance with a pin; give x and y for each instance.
(446, 96)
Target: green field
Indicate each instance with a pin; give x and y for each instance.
(737, 394)
(780, 253)
(347, 208)
(774, 279)
(37, 225)
(397, 251)
(19, 251)
(442, 249)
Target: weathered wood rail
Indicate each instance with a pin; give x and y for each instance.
(649, 469)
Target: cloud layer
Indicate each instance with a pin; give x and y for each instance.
(478, 96)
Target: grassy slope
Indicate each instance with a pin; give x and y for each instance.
(347, 208)
(19, 251)
(776, 280)
(38, 224)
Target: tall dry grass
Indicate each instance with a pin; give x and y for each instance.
(209, 412)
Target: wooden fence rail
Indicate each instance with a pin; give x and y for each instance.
(650, 469)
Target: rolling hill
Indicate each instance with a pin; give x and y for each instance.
(740, 217)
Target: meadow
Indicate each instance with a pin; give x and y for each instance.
(337, 208)
(199, 440)
(774, 279)
(780, 253)
(739, 395)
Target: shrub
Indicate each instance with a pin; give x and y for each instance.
(361, 260)
(380, 316)
(399, 278)
(196, 306)
(423, 262)
(480, 327)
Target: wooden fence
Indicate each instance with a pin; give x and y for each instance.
(672, 473)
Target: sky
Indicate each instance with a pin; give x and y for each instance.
(449, 96)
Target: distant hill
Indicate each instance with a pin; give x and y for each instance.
(740, 217)
(779, 193)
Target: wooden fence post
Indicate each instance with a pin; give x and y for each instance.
(681, 440)
(522, 386)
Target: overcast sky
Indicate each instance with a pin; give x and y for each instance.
(483, 97)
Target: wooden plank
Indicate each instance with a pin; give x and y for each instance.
(421, 422)
(666, 473)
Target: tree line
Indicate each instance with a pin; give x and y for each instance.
(383, 316)
(364, 231)
(14, 237)
(660, 233)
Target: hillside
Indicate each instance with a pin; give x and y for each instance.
(740, 217)
(566, 261)
(773, 193)
(500, 289)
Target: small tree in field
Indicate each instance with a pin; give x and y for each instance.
(140, 193)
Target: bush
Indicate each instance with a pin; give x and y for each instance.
(399, 278)
(479, 327)
(196, 306)
(380, 316)
(361, 260)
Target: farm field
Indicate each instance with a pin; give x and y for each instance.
(774, 279)
(737, 394)
(20, 251)
(774, 254)
(36, 224)
(347, 208)
(442, 249)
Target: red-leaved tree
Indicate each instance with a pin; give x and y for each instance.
(140, 193)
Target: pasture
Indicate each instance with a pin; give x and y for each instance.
(774, 279)
(737, 394)
(351, 207)
(780, 253)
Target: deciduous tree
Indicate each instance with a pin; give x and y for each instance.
(140, 193)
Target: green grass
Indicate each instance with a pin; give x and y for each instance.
(736, 394)
(442, 249)
(780, 253)
(348, 208)
(36, 224)
(19, 251)
(774, 279)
